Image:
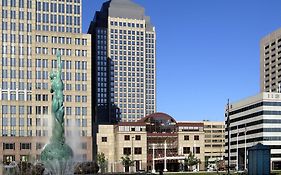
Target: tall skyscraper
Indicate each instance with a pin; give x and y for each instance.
(124, 63)
(31, 33)
(270, 62)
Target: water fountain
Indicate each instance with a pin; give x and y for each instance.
(57, 155)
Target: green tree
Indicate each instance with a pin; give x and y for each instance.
(127, 162)
(191, 160)
(102, 162)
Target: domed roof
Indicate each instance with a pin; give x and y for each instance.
(158, 116)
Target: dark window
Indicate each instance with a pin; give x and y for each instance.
(9, 146)
(126, 151)
(126, 137)
(196, 137)
(104, 139)
(25, 145)
(186, 137)
(186, 150)
(138, 151)
(39, 145)
(138, 137)
(197, 150)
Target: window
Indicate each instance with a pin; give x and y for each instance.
(126, 151)
(138, 151)
(104, 139)
(196, 137)
(186, 150)
(138, 137)
(25, 145)
(186, 137)
(127, 137)
(197, 150)
(8, 146)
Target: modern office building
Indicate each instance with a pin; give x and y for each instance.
(270, 62)
(31, 34)
(254, 120)
(214, 141)
(124, 63)
(145, 142)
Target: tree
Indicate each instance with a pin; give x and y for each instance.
(191, 160)
(102, 162)
(127, 162)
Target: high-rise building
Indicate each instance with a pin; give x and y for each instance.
(254, 120)
(270, 62)
(31, 34)
(124, 67)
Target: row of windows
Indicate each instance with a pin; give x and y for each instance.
(61, 40)
(125, 42)
(57, 19)
(255, 106)
(13, 96)
(44, 86)
(126, 24)
(17, 3)
(21, 110)
(57, 29)
(129, 32)
(13, 15)
(14, 27)
(13, 39)
(38, 133)
(186, 137)
(44, 50)
(55, 7)
(12, 146)
(196, 150)
(12, 50)
(137, 151)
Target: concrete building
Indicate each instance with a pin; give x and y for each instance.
(270, 62)
(124, 60)
(156, 142)
(255, 120)
(214, 141)
(32, 32)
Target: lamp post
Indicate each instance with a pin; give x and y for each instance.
(133, 150)
(228, 139)
(153, 154)
(165, 156)
(245, 148)
(237, 148)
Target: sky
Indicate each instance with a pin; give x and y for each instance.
(207, 51)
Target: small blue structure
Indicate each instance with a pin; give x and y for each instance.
(259, 160)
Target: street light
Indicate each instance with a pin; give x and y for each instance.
(133, 149)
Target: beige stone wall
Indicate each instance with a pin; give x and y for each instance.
(191, 143)
(23, 53)
(113, 148)
(214, 139)
(107, 147)
(37, 144)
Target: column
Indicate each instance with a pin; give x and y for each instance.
(153, 163)
(165, 157)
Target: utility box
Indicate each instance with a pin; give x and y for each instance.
(259, 160)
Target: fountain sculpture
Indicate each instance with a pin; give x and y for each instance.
(57, 151)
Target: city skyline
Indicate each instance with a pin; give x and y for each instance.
(199, 47)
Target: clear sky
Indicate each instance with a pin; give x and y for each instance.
(207, 51)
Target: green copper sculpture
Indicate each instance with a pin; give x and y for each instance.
(57, 149)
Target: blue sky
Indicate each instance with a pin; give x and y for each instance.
(207, 51)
